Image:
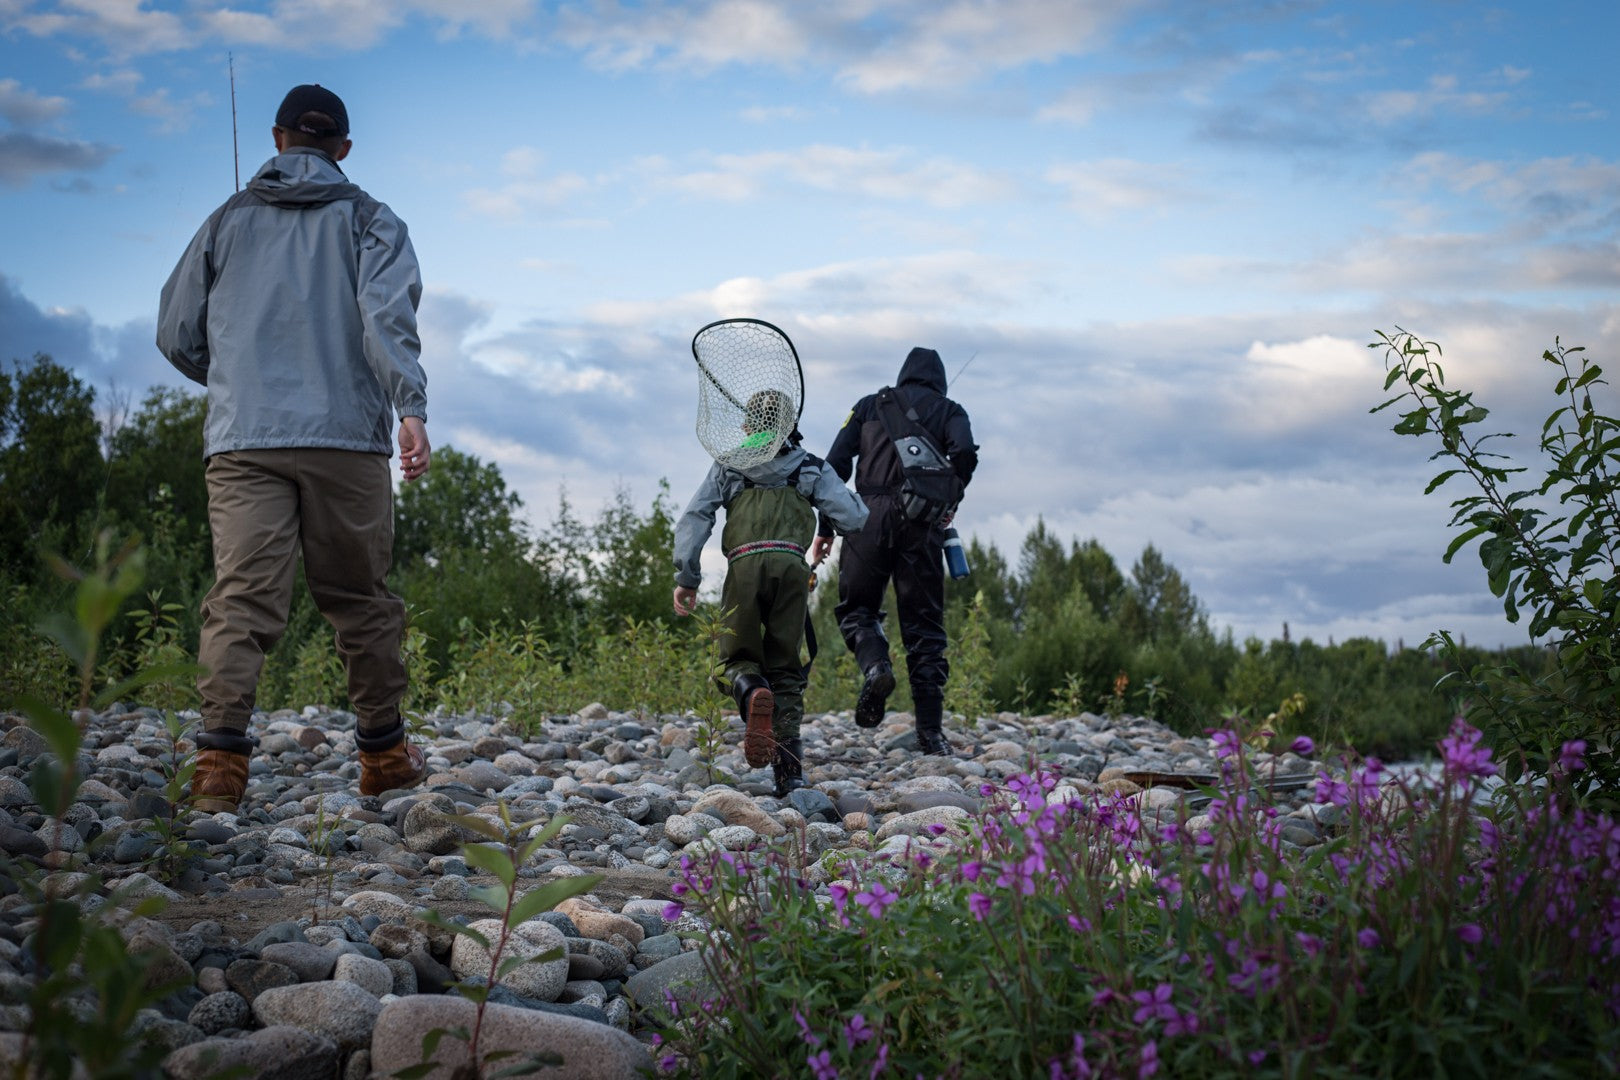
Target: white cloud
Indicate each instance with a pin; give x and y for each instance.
(171, 115)
(527, 190)
(1440, 95)
(1102, 189)
(25, 108)
(892, 175)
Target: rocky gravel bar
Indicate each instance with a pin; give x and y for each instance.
(294, 924)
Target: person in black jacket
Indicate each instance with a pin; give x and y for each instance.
(891, 546)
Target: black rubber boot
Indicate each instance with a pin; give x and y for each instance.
(875, 693)
(930, 729)
(788, 768)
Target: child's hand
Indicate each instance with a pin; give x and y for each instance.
(685, 600)
(821, 549)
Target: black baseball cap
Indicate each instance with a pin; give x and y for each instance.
(308, 98)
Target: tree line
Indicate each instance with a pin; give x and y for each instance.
(1059, 627)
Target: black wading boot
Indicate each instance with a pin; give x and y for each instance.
(930, 733)
(875, 693)
(757, 705)
(788, 768)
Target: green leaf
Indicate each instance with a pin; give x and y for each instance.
(433, 918)
(552, 828)
(56, 726)
(494, 860)
(479, 826)
(549, 895)
(493, 897)
(1438, 480)
(1463, 538)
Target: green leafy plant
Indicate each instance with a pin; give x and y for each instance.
(1549, 549)
(710, 692)
(1430, 933)
(973, 666)
(505, 854)
(87, 985)
(174, 852)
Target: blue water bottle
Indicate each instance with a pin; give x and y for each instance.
(955, 557)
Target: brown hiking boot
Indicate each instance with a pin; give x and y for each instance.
(757, 704)
(401, 766)
(220, 780)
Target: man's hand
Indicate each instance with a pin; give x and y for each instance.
(685, 600)
(414, 453)
(821, 549)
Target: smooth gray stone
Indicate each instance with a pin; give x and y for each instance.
(682, 976)
(277, 1053)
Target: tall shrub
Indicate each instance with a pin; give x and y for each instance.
(1548, 549)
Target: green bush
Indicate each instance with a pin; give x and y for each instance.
(1550, 549)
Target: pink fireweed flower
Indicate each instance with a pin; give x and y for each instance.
(1153, 1004)
(840, 898)
(1309, 944)
(1470, 933)
(821, 1066)
(1225, 743)
(1103, 997)
(979, 905)
(856, 1031)
(1150, 1060)
(1302, 745)
(1365, 782)
(1079, 925)
(1367, 938)
(1185, 1023)
(972, 869)
(1462, 755)
(1571, 758)
(1331, 791)
(880, 1063)
(810, 1037)
(936, 829)
(875, 899)
(672, 910)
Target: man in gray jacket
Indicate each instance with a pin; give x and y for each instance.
(295, 305)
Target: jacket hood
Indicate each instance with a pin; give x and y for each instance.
(302, 176)
(776, 470)
(924, 367)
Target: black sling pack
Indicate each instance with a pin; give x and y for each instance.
(929, 488)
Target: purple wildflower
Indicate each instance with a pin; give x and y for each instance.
(840, 898)
(972, 869)
(810, 1037)
(1367, 938)
(1154, 1004)
(979, 905)
(1462, 754)
(821, 1066)
(1225, 743)
(1150, 1060)
(875, 899)
(1302, 745)
(880, 1063)
(1470, 933)
(668, 1063)
(1571, 758)
(1330, 790)
(856, 1031)
(672, 910)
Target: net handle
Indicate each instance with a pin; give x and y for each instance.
(777, 330)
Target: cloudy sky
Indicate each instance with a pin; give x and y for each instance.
(1154, 237)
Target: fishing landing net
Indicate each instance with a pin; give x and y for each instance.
(750, 390)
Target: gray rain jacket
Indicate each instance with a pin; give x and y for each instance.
(837, 505)
(295, 304)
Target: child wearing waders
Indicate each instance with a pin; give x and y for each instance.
(770, 522)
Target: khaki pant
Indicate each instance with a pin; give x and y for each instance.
(336, 507)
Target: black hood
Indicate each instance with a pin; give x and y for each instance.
(924, 367)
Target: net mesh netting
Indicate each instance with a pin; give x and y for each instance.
(750, 391)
